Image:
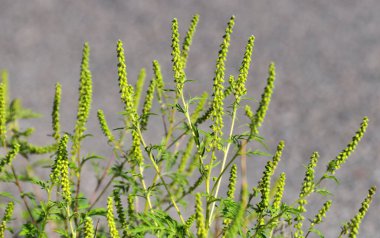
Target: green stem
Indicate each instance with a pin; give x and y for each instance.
(222, 169)
(73, 233)
(160, 176)
(21, 192)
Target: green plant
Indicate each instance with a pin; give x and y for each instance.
(190, 163)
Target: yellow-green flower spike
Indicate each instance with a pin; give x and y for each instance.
(85, 98)
(131, 206)
(355, 222)
(189, 223)
(61, 156)
(147, 105)
(8, 211)
(10, 156)
(308, 182)
(342, 157)
(321, 213)
(65, 181)
(126, 90)
(265, 182)
(110, 218)
(218, 87)
(4, 81)
(159, 80)
(239, 87)
(232, 182)
(104, 126)
(188, 39)
(126, 93)
(3, 116)
(120, 212)
(307, 188)
(186, 155)
(136, 148)
(3, 226)
(7, 217)
(139, 87)
(179, 76)
(200, 221)
(231, 88)
(265, 100)
(248, 112)
(35, 149)
(230, 193)
(55, 113)
(200, 106)
(88, 228)
(279, 191)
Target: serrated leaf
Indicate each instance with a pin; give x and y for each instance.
(179, 108)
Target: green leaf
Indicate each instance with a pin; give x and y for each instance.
(29, 230)
(97, 212)
(179, 108)
(8, 195)
(318, 232)
(332, 177)
(323, 191)
(91, 157)
(260, 153)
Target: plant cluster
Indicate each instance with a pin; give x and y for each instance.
(197, 154)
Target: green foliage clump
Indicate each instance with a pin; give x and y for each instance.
(152, 183)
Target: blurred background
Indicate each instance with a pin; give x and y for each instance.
(328, 73)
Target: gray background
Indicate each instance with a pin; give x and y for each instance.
(328, 66)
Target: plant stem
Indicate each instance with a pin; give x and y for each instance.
(160, 176)
(22, 196)
(101, 194)
(222, 168)
(73, 233)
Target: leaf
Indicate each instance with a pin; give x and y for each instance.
(44, 185)
(8, 195)
(318, 232)
(97, 212)
(29, 230)
(260, 153)
(323, 191)
(91, 157)
(332, 177)
(179, 108)
(62, 232)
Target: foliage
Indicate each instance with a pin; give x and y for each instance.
(189, 165)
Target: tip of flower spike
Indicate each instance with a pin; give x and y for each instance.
(281, 144)
(372, 190)
(272, 67)
(119, 44)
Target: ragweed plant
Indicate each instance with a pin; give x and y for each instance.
(169, 188)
